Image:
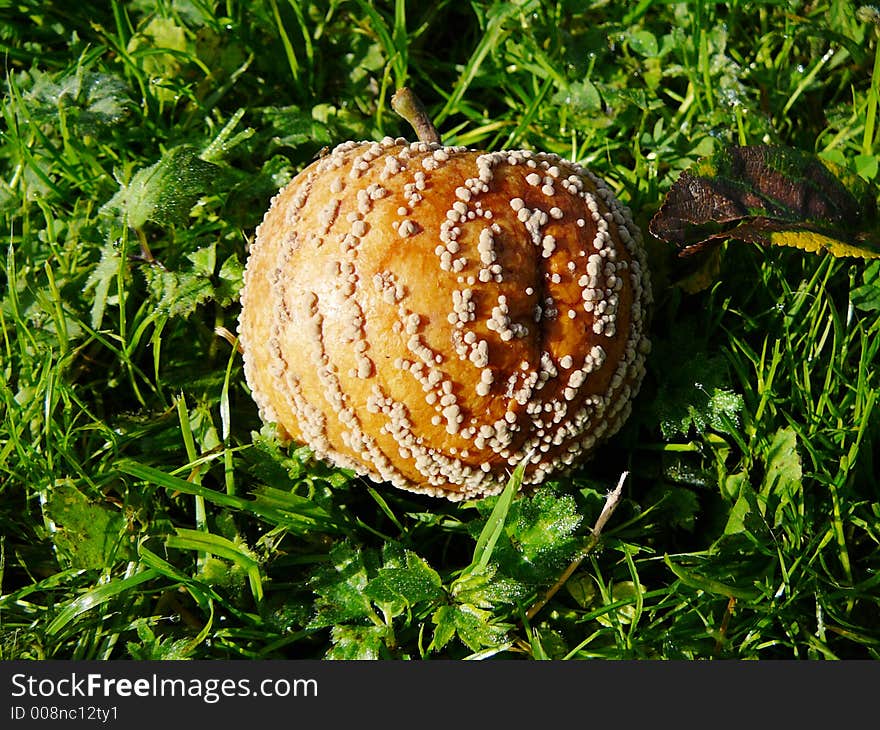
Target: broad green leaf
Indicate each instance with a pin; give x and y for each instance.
(204, 259)
(230, 275)
(866, 166)
(746, 504)
(736, 488)
(644, 43)
(782, 486)
(733, 483)
(88, 534)
(747, 515)
(581, 96)
(867, 296)
(756, 511)
(444, 627)
(158, 47)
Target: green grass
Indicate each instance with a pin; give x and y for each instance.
(146, 513)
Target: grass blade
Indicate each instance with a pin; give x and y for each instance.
(495, 524)
(206, 542)
(97, 597)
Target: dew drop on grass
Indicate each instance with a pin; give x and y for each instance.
(731, 98)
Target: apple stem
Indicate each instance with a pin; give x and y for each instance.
(410, 107)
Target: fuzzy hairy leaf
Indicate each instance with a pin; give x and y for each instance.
(472, 625)
(88, 101)
(484, 588)
(542, 526)
(164, 192)
(294, 127)
(692, 393)
(340, 588)
(538, 536)
(178, 293)
(357, 642)
(404, 581)
(703, 413)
